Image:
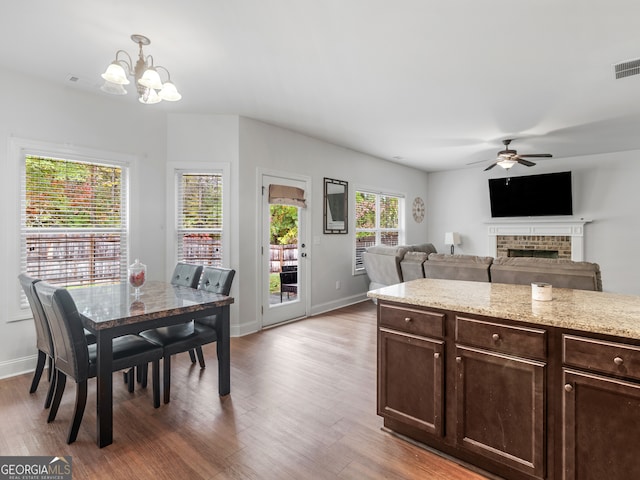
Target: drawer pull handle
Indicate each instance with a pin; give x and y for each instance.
(436, 355)
(618, 361)
(568, 388)
(407, 319)
(459, 359)
(495, 337)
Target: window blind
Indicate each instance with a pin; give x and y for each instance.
(199, 218)
(73, 221)
(377, 223)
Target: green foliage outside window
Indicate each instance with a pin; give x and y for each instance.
(61, 193)
(284, 225)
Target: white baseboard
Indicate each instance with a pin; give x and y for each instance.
(18, 366)
(253, 327)
(334, 305)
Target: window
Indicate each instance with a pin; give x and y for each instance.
(377, 222)
(199, 218)
(73, 221)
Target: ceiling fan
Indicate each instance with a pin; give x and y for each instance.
(508, 158)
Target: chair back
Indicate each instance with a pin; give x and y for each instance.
(69, 342)
(217, 280)
(289, 268)
(288, 278)
(186, 275)
(43, 335)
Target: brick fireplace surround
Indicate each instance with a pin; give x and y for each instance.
(560, 244)
(565, 236)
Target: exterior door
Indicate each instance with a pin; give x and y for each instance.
(284, 251)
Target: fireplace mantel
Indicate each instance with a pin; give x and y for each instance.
(541, 227)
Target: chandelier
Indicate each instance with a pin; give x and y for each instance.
(148, 84)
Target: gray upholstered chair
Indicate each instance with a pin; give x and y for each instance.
(216, 280)
(190, 336)
(186, 275)
(44, 343)
(76, 359)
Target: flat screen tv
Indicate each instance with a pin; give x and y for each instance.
(531, 196)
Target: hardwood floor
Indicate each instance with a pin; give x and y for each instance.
(302, 406)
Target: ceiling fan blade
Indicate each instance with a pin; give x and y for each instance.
(522, 161)
(476, 162)
(537, 155)
(491, 166)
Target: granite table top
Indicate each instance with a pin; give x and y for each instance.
(588, 311)
(106, 306)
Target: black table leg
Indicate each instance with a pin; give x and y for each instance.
(104, 383)
(224, 352)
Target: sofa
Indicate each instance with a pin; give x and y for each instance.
(391, 265)
(383, 263)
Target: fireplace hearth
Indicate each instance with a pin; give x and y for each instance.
(564, 236)
(518, 252)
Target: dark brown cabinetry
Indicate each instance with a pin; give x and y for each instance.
(411, 380)
(514, 399)
(601, 409)
(500, 394)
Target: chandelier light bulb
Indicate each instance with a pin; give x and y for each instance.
(169, 92)
(116, 74)
(151, 79)
(149, 97)
(113, 88)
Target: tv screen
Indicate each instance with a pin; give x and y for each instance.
(531, 196)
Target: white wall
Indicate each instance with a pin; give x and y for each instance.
(606, 189)
(252, 146)
(264, 146)
(45, 113)
(212, 139)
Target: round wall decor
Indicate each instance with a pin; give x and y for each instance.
(418, 209)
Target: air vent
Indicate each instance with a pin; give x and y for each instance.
(626, 69)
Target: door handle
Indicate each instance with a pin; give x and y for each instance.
(303, 254)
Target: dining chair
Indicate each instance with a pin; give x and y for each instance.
(76, 359)
(216, 280)
(43, 336)
(184, 275)
(44, 343)
(190, 336)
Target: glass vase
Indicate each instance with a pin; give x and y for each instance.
(137, 276)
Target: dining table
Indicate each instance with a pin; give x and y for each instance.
(110, 311)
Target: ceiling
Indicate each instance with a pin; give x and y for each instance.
(431, 84)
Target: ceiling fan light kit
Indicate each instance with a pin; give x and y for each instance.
(149, 85)
(508, 158)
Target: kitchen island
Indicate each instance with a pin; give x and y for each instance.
(521, 388)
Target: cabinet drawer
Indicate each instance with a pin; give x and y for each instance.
(521, 341)
(602, 356)
(410, 320)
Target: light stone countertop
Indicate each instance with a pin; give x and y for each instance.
(595, 312)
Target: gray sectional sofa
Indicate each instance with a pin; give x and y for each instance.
(391, 265)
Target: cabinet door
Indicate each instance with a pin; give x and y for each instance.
(500, 408)
(411, 379)
(601, 427)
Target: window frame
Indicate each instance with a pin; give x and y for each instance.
(377, 229)
(19, 149)
(178, 168)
